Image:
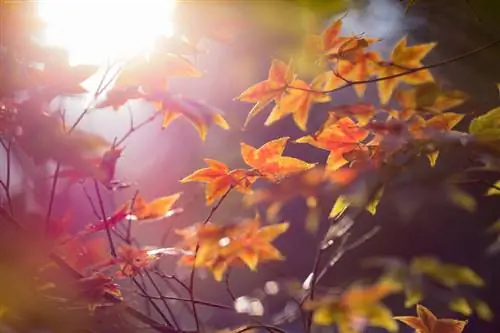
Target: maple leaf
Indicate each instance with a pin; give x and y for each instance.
(223, 246)
(61, 79)
(427, 322)
(220, 179)
(362, 112)
(152, 74)
(298, 100)
(141, 210)
(44, 138)
(359, 67)
(95, 287)
(110, 222)
(103, 168)
(269, 162)
(198, 113)
(421, 128)
(340, 137)
(118, 96)
(362, 302)
(132, 260)
(429, 97)
(329, 45)
(403, 59)
(85, 255)
(279, 77)
(494, 189)
(307, 184)
(252, 244)
(449, 275)
(352, 62)
(486, 128)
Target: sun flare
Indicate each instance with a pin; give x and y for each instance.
(96, 31)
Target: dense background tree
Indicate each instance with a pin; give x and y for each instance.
(71, 205)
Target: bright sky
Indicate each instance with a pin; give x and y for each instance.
(93, 31)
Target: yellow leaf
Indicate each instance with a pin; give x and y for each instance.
(413, 297)
(483, 310)
(462, 199)
(381, 316)
(495, 189)
(486, 127)
(461, 306)
(339, 207)
(371, 207)
(403, 59)
(432, 157)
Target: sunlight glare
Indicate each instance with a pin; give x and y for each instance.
(97, 31)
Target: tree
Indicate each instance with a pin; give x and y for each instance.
(59, 276)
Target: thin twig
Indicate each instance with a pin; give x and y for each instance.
(134, 128)
(77, 275)
(155, 306)
(267, 327)
(100, 89)
(410, 71)
(173, 298)
(164, 301)
(104, 218)
(197, 249)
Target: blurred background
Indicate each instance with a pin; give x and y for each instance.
(414, 221)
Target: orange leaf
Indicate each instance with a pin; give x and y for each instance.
(359, 68)
(199, 114)
(339, 137)
(157, 209)
(220, 179)
(268, 159)
(427, 322)
(223, 246)
(263, 93)
(298, 101)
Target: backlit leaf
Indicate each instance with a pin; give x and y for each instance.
(495, 189)
(268, 159)
(199, 114)
(403, 59)
(339, 207)
(220, 179)
(223, 246)
(427, 322)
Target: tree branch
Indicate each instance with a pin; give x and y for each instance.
(409, 71)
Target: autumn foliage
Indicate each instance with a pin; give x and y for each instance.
(99, 268)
